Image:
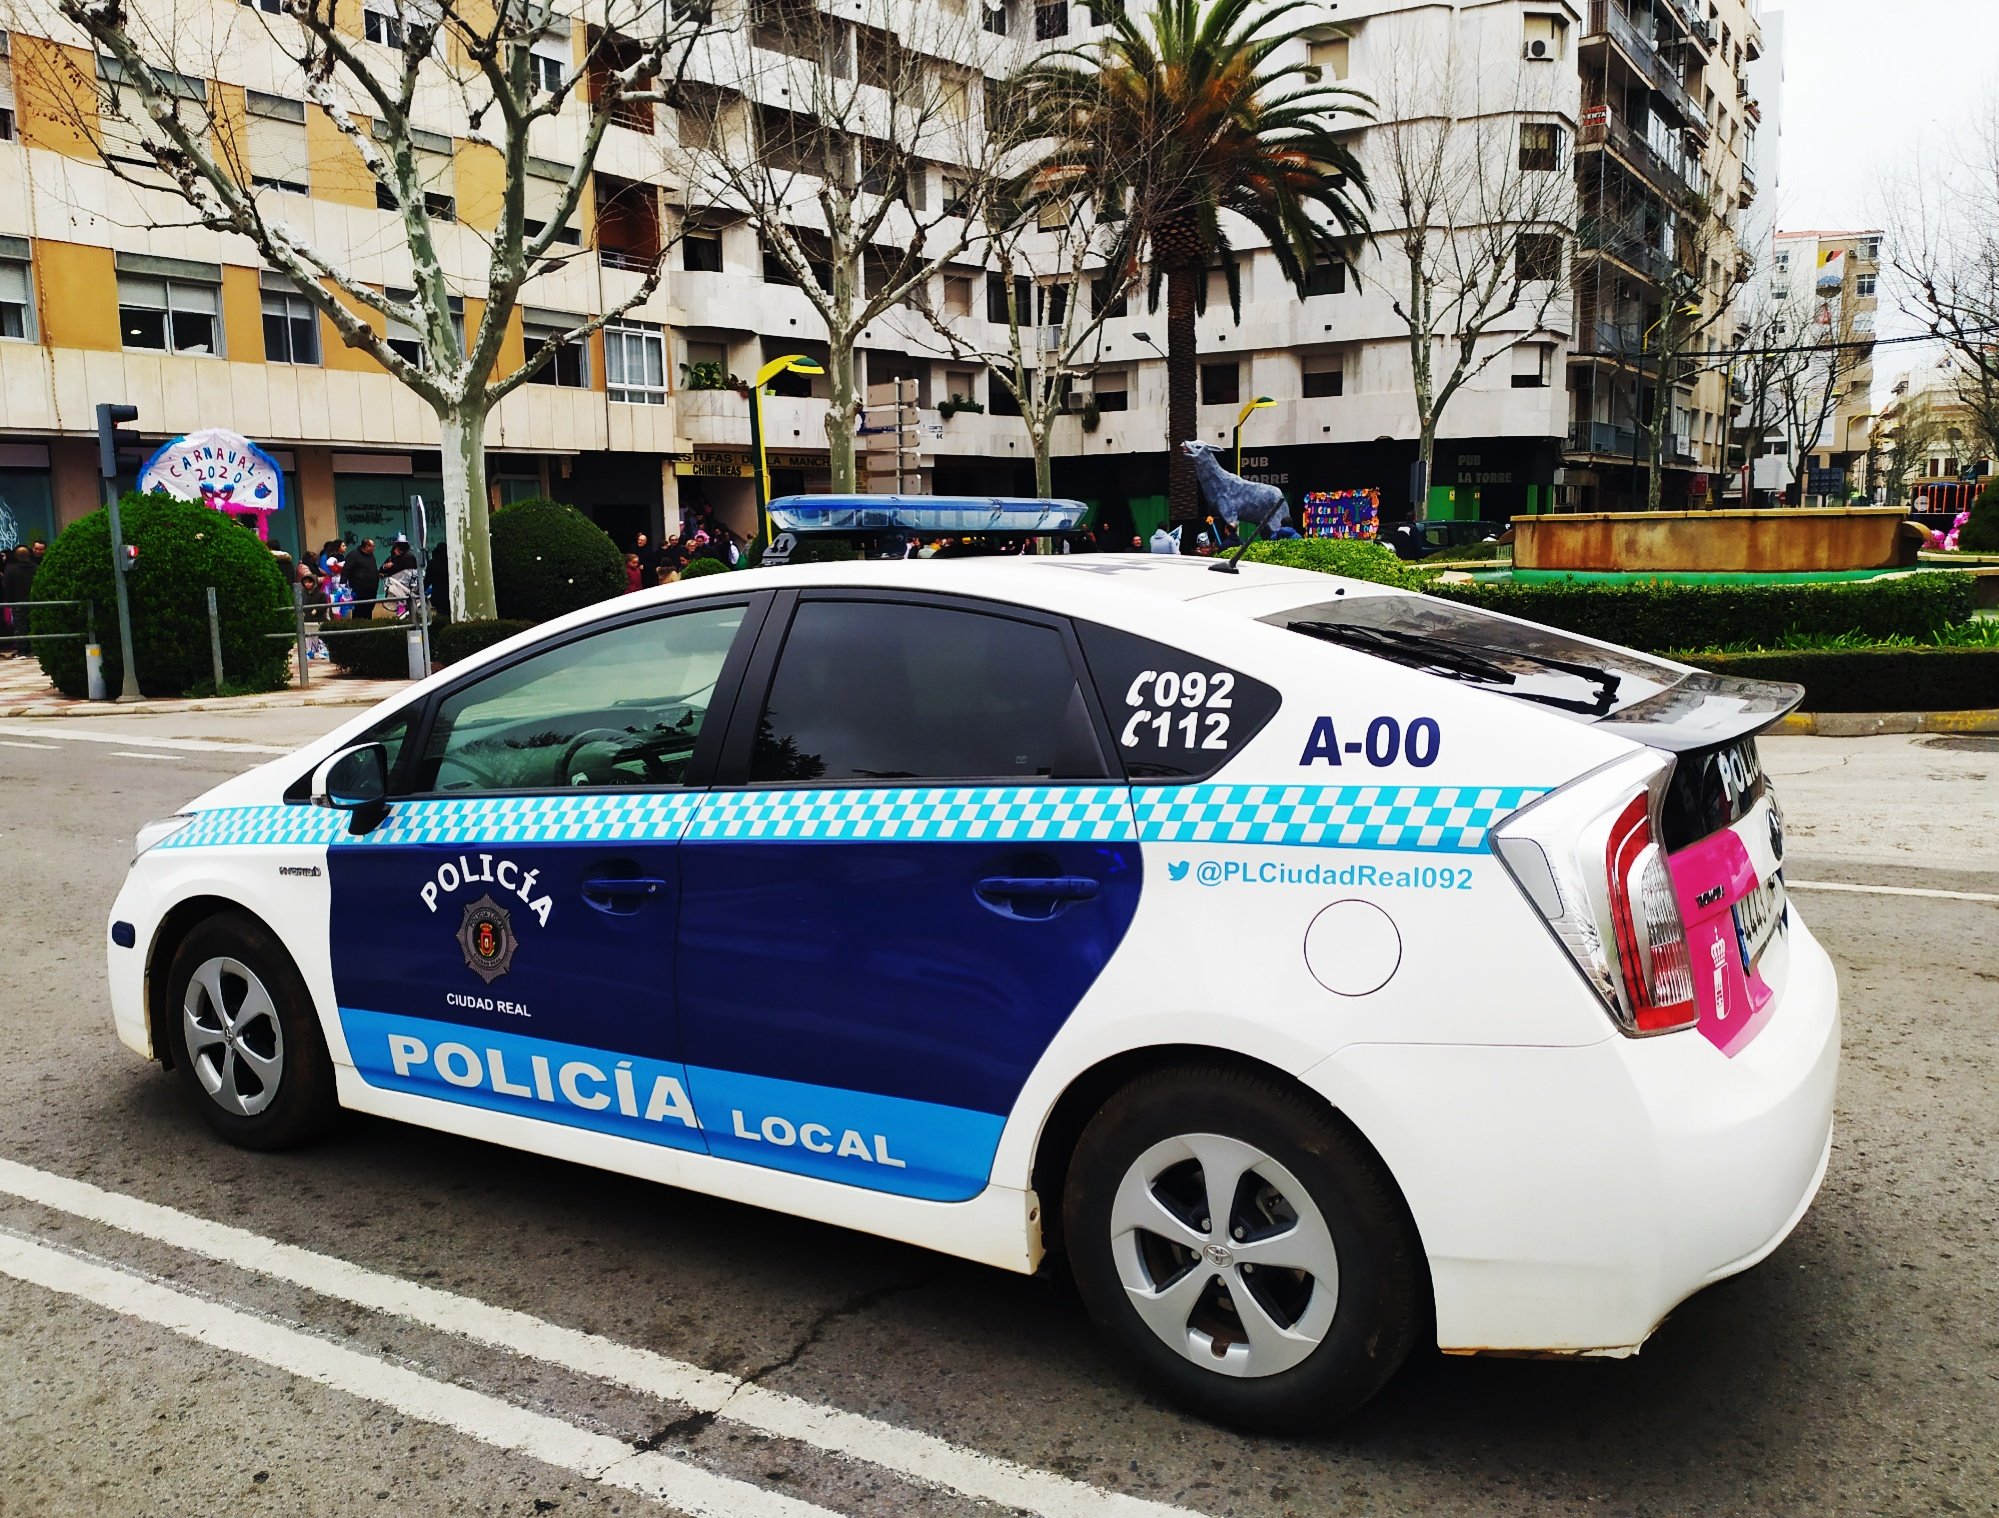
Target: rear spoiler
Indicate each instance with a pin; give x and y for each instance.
(1704, 710)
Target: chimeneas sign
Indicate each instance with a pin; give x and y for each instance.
(222, 470)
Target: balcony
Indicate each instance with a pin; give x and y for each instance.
(1629, 243)
(1607, 339)
(1678, 449)
(1606, 19)
(1748, 191)
(1676, 181)
(1602, 440)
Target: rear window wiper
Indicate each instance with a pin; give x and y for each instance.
(1459, 661)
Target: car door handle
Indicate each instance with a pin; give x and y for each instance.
(622, 895)
(1035, 897)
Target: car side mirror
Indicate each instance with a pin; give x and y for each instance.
(355, 781)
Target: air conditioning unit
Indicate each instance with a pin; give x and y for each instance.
(1540, 48)
(1314, 74)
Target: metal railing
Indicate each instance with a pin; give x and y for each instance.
(1601, 438)
(88, 635)
(1602, 128)
(306, 629)
(1608, 19)
(1629, 243)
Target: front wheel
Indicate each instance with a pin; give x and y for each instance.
(1242, 1249)
(245, 1037)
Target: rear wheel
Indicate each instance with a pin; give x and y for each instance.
(245, 1038)
(1241, 1248)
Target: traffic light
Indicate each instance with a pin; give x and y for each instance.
(129, 559)
(112, 439)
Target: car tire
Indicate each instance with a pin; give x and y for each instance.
(245, 1037)
(1337, 1306)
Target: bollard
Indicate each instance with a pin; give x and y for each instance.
(413, 642)
(93, 664)
(214, 641)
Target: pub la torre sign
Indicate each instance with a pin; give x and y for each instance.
(222, 470)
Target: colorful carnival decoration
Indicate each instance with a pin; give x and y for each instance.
(222, 470)
(1342, 514)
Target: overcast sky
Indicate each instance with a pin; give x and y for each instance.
(1866, 81)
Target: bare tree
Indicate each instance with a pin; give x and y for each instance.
(1697, 308)
(419, 73)
(1910, 427)
(855, 146)
(1060, 270)
(1477, 211)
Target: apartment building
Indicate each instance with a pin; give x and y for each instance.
(1667, 166)
(1823, 297)
(105, 294)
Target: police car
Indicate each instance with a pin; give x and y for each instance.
(1312, 964)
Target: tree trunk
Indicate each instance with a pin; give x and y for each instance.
(468, 540)
(1044, 465)
(1183, 491)
(840, 418)
(1426, 455)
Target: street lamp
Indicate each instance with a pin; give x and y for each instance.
(795, 363)
(1242, 416)
(1638, 386)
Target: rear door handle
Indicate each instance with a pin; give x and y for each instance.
(623, 895)
(1035, 897)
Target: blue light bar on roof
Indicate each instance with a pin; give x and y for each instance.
(925, 513)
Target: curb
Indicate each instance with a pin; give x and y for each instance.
(1870, 724)
(271, 701)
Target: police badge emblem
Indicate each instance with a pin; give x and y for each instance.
(487, 938)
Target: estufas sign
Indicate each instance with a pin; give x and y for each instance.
(222, 470)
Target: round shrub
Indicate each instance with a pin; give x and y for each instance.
(1981, 533)
(1356, 558)
(183, 549)
(549, 559)
(696, 568)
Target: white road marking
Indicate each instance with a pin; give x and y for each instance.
(488, 1419)
(1888, 890)
(920, 1457)
(133, 753)
(17, 743)
(136, 740)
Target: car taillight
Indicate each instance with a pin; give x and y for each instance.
(1588, 857)
(1651, 941)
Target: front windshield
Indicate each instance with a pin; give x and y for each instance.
(1519, 649)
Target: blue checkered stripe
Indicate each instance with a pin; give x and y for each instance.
(614, 817)
(1447, 819)
(966, 814)
(236, 826)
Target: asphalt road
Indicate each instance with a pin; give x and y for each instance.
(1856, 1371)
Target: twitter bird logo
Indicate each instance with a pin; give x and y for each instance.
(1177, 870)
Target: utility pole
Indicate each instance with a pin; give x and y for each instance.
(111, 441)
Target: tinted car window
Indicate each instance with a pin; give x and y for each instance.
(1173, 715)
(619, 708)
(874, 690)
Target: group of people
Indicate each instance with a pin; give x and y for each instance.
(17, 583)
(700, 537)
(340, 583)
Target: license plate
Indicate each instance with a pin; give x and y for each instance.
(1758, 917)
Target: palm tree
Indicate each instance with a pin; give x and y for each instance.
(1179, 116)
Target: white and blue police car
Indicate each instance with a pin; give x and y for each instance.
(1313, 965)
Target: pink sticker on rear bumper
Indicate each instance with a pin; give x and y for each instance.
(1709, 878)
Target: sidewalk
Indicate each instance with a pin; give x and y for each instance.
(26, 692)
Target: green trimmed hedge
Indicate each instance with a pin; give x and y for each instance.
(1873, 680)
(183, 549)
(550, 559)
(706, 565)
(1658, 615)
(1357, 559)
(1981, 531)
(381, 653)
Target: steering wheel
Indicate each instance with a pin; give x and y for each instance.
(566, 771)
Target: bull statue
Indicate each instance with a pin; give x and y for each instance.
(1239, 502)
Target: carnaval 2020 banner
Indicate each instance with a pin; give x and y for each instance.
(223, 470)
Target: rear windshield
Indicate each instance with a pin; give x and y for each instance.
(1545, 665)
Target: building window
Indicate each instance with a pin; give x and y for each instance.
(701, 253)
(1023, 300)
(1328, 277)
(1863, 286)
(957, 295)
(1324, 375)
(1110, 390)
(1221, 384)
(404, 339)
(1051, 21)
(1540, 145)
(996, 20)
(1870, 250)
(291, 329)
(6, 93)
(169, 315)
(1327, 59)
(275, 129)
(1530, 366)
(1538, 256)
(17, 291)
(961, 384)
(568, 366)
(548, 61)
(635, 363)
(383, 28)
(1109, 296)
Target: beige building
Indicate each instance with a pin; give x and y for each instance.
(1822, 292)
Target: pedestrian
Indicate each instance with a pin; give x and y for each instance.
(39, 551)
(648, 557)
(634, 571)
(364, 578)
(17, 584)
(439, 575)
(667, 573)
(402, 578)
